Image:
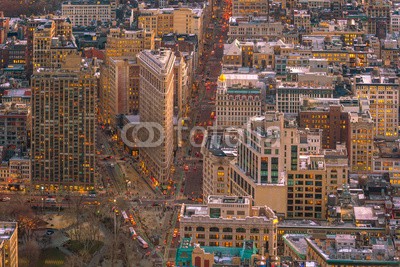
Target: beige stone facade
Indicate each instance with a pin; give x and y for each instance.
(228, 222)
(156, 106)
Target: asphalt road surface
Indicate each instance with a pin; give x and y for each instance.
(204, 102)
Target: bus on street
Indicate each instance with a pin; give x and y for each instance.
(142, 243)
(132, 233)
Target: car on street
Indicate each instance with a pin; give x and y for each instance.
(175, 232)
(49, 232)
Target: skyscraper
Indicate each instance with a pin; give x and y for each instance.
(52, 42)
(157, 106)
(63, 127)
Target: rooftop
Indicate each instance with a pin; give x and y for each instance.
(388, 149)
(228, 200)
(308, 224)
(222, 143)
(371, 79)
(298, 243)
(222, 255)
(243, 91)
(20, 92)
(159, 57)
(364, 214)
(378, 252)
(87, 2)
(7, 229)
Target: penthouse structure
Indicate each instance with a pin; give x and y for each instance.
(318, 229)
(288, 96)
(52, 43)
(228, 221)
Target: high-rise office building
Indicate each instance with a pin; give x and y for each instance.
(361, 141)
(52, 42)
(120, 91)
(119, 80)
(383, 93)
(157, 106)
(63, 127)
(123, 43)
(259, 169)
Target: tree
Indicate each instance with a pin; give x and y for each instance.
(31, 252)
(14, 8)
(74, 260)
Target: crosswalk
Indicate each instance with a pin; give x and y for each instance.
(54, 262)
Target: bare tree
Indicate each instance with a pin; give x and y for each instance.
(31, 252)
(75, 260)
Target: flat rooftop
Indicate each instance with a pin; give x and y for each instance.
(364, 214)
(87, 2)
(243, 91)
(191, 210)
(298, 243)
(308, 224)
(20, 92)
(222, 143)
(7, 229)
(228, 200)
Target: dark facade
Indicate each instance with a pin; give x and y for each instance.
(334, 122)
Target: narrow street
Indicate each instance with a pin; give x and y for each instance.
(120, 174)
(204, 99)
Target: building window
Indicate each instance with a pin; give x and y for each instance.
(254, 230)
